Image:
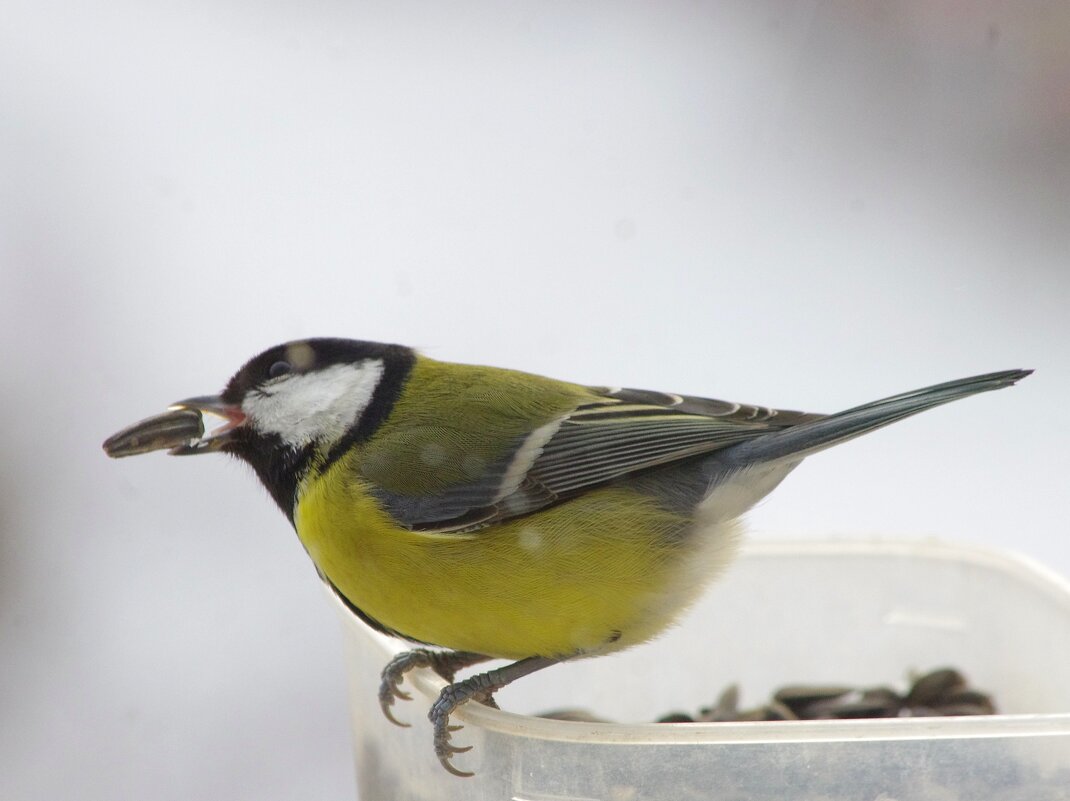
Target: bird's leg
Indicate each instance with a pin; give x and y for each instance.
(444, 663)
(480, 687)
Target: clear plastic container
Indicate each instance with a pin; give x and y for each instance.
(860, 613)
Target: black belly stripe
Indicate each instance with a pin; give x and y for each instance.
(368, 619)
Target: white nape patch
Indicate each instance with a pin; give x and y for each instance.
(321, 405)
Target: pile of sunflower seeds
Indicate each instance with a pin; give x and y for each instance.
(940, 692)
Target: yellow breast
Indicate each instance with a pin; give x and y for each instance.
(592, 574)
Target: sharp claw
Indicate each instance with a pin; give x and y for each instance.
(390, 716)
(389, 692)
(390, 688)
(444, 749)
(464, 774)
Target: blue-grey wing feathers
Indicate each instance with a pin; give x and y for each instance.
(628, 432)
(807, 438)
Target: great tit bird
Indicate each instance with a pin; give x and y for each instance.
(496, 514)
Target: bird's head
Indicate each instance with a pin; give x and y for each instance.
(311, 397)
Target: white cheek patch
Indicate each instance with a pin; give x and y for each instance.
(302, 408)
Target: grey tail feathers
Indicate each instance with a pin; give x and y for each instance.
(800, 441)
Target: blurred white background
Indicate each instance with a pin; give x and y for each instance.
(801, 204)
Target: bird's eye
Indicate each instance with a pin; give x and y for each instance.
(279, 368)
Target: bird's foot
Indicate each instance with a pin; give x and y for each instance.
(444, 663)
(480, 688)
(451, 698)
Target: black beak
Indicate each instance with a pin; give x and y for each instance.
(179, 430)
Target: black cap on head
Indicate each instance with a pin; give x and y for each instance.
(305, 355)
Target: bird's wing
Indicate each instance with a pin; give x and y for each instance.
(609, 434)
(627, 430)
